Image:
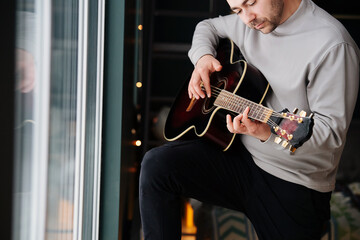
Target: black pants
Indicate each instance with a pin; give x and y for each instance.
(196, 169)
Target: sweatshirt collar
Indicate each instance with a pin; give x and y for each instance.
(290, 25)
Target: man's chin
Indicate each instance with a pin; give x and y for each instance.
(267, 29)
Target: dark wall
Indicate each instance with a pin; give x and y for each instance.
(7, 87)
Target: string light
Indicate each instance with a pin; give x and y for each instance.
(139, 84)
(140, 27)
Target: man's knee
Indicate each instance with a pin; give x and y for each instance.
(154, 167)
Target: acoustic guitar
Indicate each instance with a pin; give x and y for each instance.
(237, 86)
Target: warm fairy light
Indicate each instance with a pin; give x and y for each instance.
(139, 84)
(140, 27)
(138, 143)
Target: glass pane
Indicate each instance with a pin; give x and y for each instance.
(92, 128)
(63, 120)
(26, 79)
(58, 119)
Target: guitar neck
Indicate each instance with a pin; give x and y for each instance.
(237, 104)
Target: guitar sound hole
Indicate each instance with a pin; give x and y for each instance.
(209, 102)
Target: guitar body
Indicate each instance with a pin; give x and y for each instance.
(198, 118)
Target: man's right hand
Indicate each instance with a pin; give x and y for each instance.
(206, 65)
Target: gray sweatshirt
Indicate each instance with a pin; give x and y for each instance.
(311, 63)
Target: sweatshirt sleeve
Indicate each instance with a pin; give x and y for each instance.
(332, 92)
(207, 34)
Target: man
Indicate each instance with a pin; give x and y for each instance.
(311, 63)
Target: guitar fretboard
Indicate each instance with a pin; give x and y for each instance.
(237, 104)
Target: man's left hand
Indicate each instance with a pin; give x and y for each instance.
(243, 125)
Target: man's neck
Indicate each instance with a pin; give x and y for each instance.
(290, 7)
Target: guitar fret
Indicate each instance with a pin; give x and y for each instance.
(256, 112)
(238, 104)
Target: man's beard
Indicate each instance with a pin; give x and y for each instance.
(268, 24)
(274, 20)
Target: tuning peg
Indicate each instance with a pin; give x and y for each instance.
(277, 140)
(295, 110)
(283, 132)
(290, 136)
(302, 113)
(292, 149)
(284, 144)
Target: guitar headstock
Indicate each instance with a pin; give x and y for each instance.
(292, 129)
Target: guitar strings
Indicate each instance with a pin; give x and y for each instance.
(236, 99)
(235, 102)
(217, 91)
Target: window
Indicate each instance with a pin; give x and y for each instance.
(59, 65)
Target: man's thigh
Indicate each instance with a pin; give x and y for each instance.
(283, 210)
(200, 170)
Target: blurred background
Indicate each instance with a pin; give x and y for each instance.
(86, 90)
